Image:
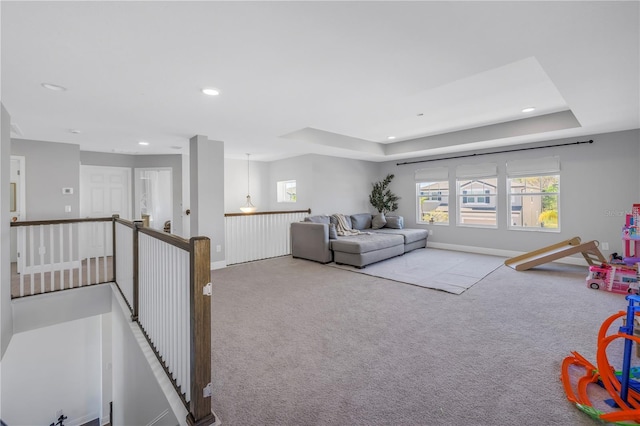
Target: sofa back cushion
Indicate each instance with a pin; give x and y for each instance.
(394, 222)
(378, 221)
(318, 219)
(335, 221)
(361, 221)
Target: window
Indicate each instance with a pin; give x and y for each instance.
(287, 191)
(534, 194)
(476, 187)
(432, 195)
(533, 202)
(433, 202)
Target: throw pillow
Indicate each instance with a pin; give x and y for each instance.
(317, 219)
(361, 221)
(395, 222)
(333, 233)
(378, 221)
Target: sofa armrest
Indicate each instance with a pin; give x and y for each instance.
(311, 241)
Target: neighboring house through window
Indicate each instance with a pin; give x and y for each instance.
(477, 193)
(534, 194)
(432, 195)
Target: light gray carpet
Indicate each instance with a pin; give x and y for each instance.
(297, 343)
(433, 268)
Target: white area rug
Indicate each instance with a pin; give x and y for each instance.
(446, 270)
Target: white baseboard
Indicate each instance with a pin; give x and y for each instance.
(221, 264)
(499, 252)
(81, 420)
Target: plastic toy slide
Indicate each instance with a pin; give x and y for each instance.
(589, 251)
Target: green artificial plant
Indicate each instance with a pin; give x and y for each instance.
(382, 198)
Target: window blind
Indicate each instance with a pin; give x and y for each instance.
(432, 174)
(464, 171)
(534, 166)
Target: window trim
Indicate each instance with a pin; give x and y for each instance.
(511, 227)
(440, 195)
(476, 196)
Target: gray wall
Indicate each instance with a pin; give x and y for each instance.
(325, 184)
(49, 167)
(137, 396)
(598, 184)
(235, 178)
(88, 158)
(6, 316)
(207, 193)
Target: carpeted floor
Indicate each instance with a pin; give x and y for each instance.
(298, 343)
(433, 268)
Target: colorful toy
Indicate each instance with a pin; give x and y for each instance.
(614, 278)
(630, 233)
(622, 386)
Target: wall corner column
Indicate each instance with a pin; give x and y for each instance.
(206, 162)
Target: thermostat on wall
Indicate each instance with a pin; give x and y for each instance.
(67, 191)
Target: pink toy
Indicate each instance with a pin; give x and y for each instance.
(630, 233)
(613, 278)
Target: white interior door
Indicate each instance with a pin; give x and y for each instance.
(154, 196)
(104, 191)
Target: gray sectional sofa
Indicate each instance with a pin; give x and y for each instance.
(380, 238)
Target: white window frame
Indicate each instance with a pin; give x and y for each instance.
(476, 172)
(540, 194)
(419, 206)
(281, 191)
(432, 175)
(533, 167)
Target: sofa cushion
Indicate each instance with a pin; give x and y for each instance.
(410, 235)
(365, 243)
(335, 221)
(378, 221)
(361, 221)
(318, 219)
(394, 222)
(333, 232)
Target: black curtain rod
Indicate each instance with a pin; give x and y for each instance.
(495, 152)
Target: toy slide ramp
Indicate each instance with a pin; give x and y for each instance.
(589, 251)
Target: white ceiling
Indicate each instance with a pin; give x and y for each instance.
(334, 78)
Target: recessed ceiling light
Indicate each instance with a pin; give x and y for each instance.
(75, 131)
(391, 138)
(176, 147)
(53, 87)
(210, 91)
(420, 114)
(143, 143)
(528, 109)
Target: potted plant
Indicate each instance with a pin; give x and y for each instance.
(382, 198)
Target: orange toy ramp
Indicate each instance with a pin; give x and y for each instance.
(589, 251)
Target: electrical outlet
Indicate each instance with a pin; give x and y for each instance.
(430, 231)
(67, 209)
(605, 246)
(218, 248)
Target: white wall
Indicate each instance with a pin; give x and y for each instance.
(50, 166)
(598, 184)
(137, 396)
(50, 369)
(207, 193)
(325, 184)
(235, 180)
(6, 318)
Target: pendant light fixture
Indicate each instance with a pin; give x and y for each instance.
(248, 207)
